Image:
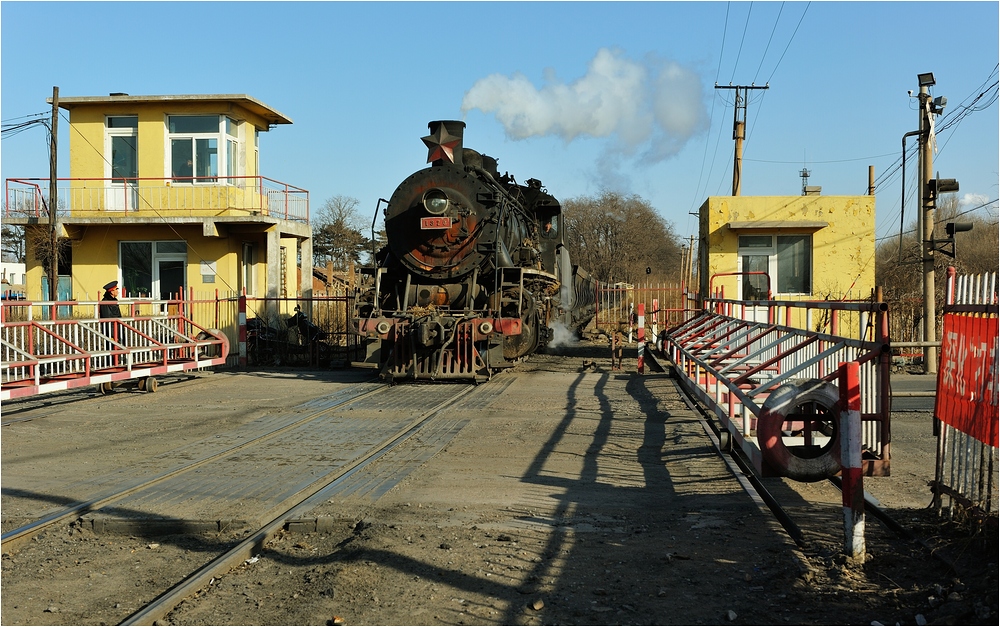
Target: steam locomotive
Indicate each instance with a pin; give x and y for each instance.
(475, 275)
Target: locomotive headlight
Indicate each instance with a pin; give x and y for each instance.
(435, 202)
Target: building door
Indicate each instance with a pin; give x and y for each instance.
(170, 273)
(123, 167)
(755, 255)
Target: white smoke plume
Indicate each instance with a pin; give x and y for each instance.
(561, 335)
(648, 109)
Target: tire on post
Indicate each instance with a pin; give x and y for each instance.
(790, 403)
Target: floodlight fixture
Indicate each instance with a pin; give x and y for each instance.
(926, 79)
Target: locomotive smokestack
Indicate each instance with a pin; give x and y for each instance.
(444, 144)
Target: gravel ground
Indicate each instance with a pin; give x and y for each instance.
(575, 496)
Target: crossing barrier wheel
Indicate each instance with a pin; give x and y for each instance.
(798, 406)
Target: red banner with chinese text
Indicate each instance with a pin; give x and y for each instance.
(967, 376)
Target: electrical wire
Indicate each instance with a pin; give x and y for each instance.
(10, 130)
(769, 39)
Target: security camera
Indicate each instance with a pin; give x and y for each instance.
(909, 92)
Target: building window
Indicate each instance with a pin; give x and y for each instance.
(153, 269)
(195, 141)
(233, 144)
(787, 260)
(249, 273)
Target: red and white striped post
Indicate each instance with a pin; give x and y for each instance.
(242, 322)
(640, 336)
(656, 324)
(852, 484)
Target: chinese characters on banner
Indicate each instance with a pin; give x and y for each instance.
(967, 376)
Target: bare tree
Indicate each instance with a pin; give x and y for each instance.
(976, 251)
(899, 269)
(13, 239)
(617, 237)
(338, 233)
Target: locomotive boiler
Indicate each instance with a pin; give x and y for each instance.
(475, 274)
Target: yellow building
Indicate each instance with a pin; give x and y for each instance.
(166, 195)
(801, 247)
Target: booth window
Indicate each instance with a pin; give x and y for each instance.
(787, 260)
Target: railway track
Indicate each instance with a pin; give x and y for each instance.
(563, 484)
(811, 523)
(12, 539)
(359, 413)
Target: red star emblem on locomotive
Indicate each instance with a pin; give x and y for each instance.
(441, 145)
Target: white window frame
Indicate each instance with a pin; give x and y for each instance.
(772, 261)
(248, 268)
(228, 150)
(155, 258)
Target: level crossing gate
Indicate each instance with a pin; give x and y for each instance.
(53, 346)
(772, 383)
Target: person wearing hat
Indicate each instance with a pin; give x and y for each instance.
(111, 310)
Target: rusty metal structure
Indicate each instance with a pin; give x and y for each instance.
(475, 275)
(772, 384)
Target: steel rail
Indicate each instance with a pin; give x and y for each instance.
(15, 537)
(755, 488)
(741, 468)
(302, 501)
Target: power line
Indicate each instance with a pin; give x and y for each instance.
(10, 130)
(790, 39)
(769, 39)
(888, 154)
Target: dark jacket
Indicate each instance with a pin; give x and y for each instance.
(110, 310)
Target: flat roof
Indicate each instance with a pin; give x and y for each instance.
(804, 225)
(273, 116)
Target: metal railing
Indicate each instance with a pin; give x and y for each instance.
(189, 196)
(665, 304)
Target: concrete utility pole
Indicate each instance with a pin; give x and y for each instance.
(930, 189)
(739, 129)
(53, 202)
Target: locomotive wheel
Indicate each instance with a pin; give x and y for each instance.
(517, 346)
(105, 388)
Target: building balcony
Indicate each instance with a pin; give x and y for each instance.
(88, 199)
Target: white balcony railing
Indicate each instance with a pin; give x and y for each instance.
(186, 196)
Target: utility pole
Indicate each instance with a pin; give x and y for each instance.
(739, 129)
(53, 203)
(930, 188)
(690, 267)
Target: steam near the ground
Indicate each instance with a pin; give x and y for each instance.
(562, 336)
(648, 108)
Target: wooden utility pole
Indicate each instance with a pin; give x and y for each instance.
(739, 129)
(53, 202)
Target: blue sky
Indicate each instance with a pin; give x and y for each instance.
(581, 95)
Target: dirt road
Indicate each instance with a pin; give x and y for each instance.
(573, 496)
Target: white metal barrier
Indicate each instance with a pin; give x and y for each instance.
(46, 355)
